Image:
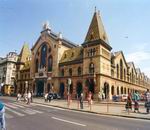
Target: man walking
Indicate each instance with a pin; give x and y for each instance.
(147, 101)
(81, 101)
(2, 116)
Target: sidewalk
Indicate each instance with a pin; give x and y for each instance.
(113, 109)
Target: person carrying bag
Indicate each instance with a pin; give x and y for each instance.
(2, 117)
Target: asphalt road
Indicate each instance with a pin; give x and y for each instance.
(20, 116)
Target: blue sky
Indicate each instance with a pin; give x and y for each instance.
(127, 23)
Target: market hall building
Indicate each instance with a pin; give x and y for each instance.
(91, 66)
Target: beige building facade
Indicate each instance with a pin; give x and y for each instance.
(92, 67)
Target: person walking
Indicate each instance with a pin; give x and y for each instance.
(46, 97)
(136, 98)
(129, 102)
(81, 101)
(99, 96)
(147, 101)
(2, 116)
(29, 97)
(89, 99)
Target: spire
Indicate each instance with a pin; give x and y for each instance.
(96, 30)
(25, 52)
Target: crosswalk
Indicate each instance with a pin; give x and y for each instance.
(17, 109)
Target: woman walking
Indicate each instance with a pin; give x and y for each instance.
(136, 98)
(129, 102)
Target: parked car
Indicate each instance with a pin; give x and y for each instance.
(124, 97)
(53, 96)
(116, 98)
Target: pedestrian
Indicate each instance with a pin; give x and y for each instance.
(29, 97)
(136, 98)
(129, 102)
(147, 101)
(81, 101)
(2, 116)
(89, 98)
(46, 97)
(99, 96)
(25, 97)
(18, 97)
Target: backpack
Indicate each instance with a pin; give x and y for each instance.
(1, 106)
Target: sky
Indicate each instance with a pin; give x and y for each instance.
(126, 22)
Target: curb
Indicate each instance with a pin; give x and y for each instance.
(98, 113)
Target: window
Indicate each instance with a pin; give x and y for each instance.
(91, 68)
(49, 50)
(117, 71)
(43, 56)
(70, 72)
(124, 74)
(121, 69)
(50, 63)
(72, 55)
(36, 65)
(79, 70)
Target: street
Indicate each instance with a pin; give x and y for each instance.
(20, 116)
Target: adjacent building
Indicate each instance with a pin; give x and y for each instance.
(8, 72)
(24, 80)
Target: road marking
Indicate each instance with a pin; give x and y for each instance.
(71, 122)
(35, 111)
(17, 105)
(8, 116)
(19, 114)
(9, 105)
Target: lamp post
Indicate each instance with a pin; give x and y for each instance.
(68, 83)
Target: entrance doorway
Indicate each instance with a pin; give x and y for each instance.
(40, 88)
(61, 90)
(106, 90)
(48, 87)
(79, 89)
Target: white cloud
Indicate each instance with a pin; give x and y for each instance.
(141, 60)
(138, 57)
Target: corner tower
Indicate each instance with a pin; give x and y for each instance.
(97, 55)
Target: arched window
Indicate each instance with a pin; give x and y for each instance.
(79, 70)
(36, 65)
(50, 63)
(70, 72)
(117, 90)
(132, 79)
(121, 90)
(121, 69)
(112, 90)
(91, 68)
(117, 71)
(43, 56)
(125, 91)
(124, 74)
